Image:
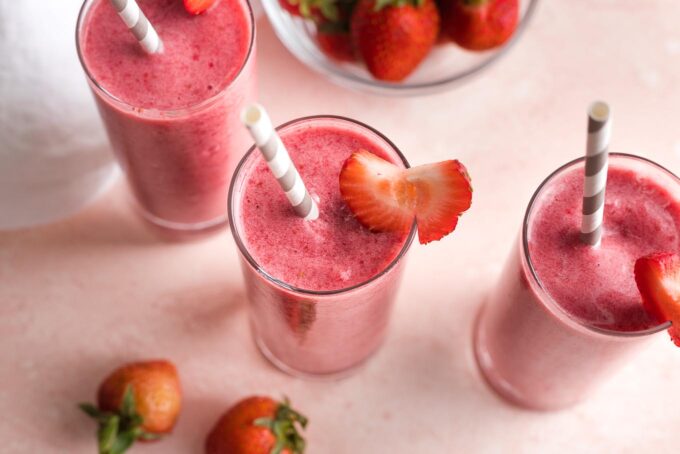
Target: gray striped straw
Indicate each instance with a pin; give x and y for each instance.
(597, 154)
(256, 119)
(139, 25)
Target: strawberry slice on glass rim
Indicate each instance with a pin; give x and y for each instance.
(658, 279)
(386, 198)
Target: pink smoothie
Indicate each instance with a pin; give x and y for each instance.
(298, 329)
(597, 286)
(544, 341)
(172, 118)
(332, 253)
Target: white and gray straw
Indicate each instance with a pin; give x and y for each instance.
(139, 25)
(256, 119)
(597, 164)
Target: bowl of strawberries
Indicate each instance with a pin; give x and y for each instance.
(399, 47)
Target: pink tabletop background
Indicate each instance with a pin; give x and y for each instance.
(81, 296)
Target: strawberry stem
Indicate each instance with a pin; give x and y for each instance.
(118, 431)
(284, 426)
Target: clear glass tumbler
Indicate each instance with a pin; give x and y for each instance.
(315, 333)
(528, 348)
(179, 162)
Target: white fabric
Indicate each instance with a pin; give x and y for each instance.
(54, 156)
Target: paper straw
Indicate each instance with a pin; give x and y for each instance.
(269, 143)
(139, 25)
(597, 154)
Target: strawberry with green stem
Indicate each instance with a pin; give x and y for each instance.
(119, 430)
(258, 425)
(333, 36)
(332, 21)
(138, 401)
(394, 36)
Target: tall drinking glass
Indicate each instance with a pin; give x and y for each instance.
(320, 292)
(173, 118)
(564, 316)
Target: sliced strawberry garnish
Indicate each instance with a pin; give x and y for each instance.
(377, 192)
(198, 6)
(384, 197)
(444, 192)
(658, 279)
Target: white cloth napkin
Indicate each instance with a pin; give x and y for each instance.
(54, 156)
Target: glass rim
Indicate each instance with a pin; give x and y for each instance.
(546, 298)
(154, 113)
(240, 243)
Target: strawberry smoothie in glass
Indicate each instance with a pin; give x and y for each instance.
(321, 291)
(173, 117)
(564, 315)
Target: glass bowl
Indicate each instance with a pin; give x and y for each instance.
(446, 66)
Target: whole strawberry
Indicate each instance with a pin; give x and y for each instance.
(335, 41)
(394, 36)
(258, 425)
(138, 401)
(479, 24)
(332, 34)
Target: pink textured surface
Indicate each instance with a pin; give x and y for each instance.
(81, 296)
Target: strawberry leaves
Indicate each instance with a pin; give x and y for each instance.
(118, 431)
(284, 427)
